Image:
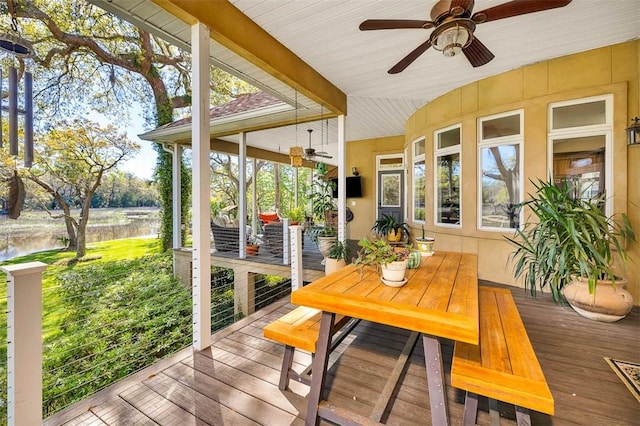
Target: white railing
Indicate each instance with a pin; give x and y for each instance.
(24, 343)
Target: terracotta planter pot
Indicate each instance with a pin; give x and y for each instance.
(609, 303)
(253, 250)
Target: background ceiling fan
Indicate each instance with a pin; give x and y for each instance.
(453, 25)
(310, 153)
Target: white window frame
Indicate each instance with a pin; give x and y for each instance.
(499, 141)
(605, 130)
(439, 152)
(417, 158)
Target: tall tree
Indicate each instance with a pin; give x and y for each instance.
(74, 158)
(86, 55)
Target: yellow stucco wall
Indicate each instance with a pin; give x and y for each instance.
(362, 154)
(608, 70)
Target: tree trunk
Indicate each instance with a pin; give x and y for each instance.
(81, 247)
(72, 242)
(164, 167)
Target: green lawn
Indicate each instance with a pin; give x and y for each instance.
(115, 312)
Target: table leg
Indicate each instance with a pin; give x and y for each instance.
(319, 369)
(435, 380)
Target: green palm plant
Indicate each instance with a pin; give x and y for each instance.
(572, 237)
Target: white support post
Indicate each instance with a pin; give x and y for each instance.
(244, 291)
(242, 196)
(254, 197)
(201, 193)
(24, 343)
(296, 257)
(296, 190)
(285, 241)
(342, 178)
(177, 194)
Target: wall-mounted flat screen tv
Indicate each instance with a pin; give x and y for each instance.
(354, 187)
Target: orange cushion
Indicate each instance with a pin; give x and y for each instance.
(269, 217)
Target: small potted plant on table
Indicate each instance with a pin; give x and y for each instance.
(392, 260)
(425, 244)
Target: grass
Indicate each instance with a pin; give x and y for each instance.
(100, 257)
(103, 252)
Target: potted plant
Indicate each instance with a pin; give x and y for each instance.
(392, 260)
(323, 236)
(252, 246)
(338, 255)
(388, 226)
(296, 215)
(570, 249)
(425, 244)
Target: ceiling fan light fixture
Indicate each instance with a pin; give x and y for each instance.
(452, 40)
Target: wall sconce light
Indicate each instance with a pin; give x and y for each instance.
(633, 132)
(354, 171)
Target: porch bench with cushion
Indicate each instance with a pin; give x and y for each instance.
(503, 366)
(226, 236)
(299, 329)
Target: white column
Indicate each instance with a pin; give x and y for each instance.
(296, 257)
(295, 186)
(254, 197)
(285, 241)
(176, 181)
(24, 343)
(242, 196)
(342, 178)
(201, 192)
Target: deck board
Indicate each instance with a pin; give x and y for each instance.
(236, 381)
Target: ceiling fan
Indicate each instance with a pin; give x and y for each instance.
(310, 153)
(453, 25)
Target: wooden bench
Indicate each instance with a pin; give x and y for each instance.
(299, 329)
(503, 366)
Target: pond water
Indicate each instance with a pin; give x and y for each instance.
(37, 231)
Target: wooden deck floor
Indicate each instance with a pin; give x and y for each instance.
(235, 382)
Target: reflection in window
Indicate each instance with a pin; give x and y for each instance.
(448, 188)
(500, 167)
(390, 190)
(418, 190)
(581, 136)
(583, 171)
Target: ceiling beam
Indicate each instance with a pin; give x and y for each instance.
(235, 31)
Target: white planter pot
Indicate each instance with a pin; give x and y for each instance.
(332, 265)
(324, 244)
(394, 271)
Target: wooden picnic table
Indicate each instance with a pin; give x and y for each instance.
(440, 299)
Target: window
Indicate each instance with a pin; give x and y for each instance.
(447, 176)
(500, 169)
(419, 182)
(580, 146)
